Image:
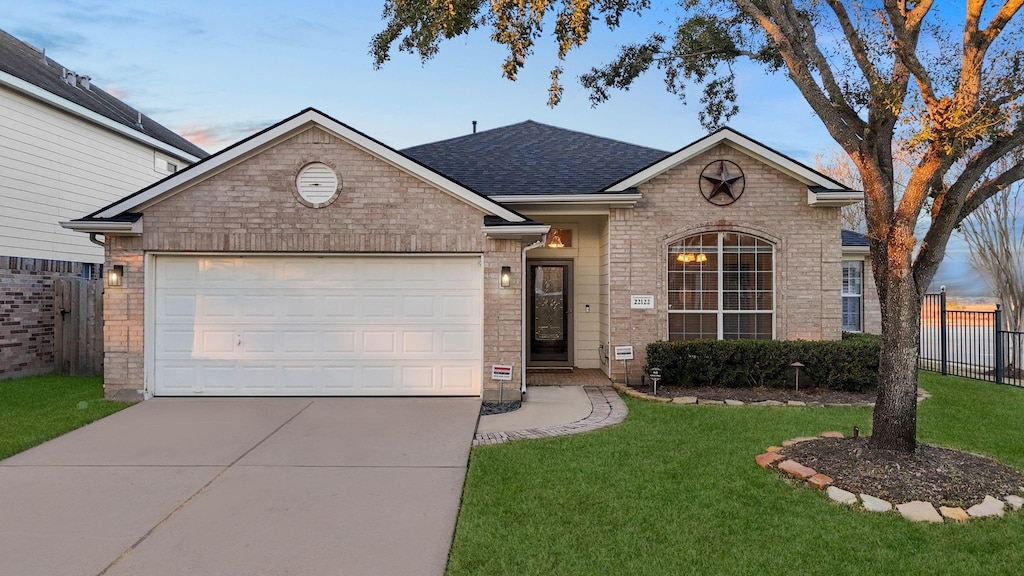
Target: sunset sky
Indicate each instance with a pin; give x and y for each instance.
(218, 71)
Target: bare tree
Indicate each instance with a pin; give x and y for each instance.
(995, 236)
(837, 166)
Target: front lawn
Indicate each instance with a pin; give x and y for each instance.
(36, 409)
(675, 490)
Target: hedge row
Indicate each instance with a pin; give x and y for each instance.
(850, 364)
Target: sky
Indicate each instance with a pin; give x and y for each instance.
(217, 71)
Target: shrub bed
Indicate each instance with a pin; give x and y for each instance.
(849, 365)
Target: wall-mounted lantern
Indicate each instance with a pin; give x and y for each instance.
(506, 276)
(115, 277)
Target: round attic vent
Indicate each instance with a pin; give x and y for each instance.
(317, 183)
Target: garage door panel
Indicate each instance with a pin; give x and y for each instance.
(178, 379)
(260, 379)
(414, 342)
(339, 307)
(378, 378)
(460, 379)
(376, 342)
(331, 325)
(339, 342)
(339, 379)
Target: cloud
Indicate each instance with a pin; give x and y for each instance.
(116, 91)
(213, 137)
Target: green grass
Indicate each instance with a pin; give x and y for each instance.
(675, 490)
(36, 409)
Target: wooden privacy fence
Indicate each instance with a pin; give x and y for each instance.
(78, 326)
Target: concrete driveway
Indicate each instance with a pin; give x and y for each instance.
(242, 486)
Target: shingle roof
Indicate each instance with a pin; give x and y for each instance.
(534, 158)
(27, 63)
(851, 238)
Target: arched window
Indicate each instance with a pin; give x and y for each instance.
(721, 285)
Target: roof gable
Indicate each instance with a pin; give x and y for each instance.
(29, 70)
(530, 158)
(279, 132)
(740, 142)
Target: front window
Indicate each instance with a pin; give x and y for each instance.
(853, 290)
(721, 285)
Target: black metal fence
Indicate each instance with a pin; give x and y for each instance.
(969, 343)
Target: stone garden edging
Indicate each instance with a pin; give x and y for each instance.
(922, 395)
(915, 511)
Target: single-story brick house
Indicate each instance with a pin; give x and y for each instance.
(311, 259)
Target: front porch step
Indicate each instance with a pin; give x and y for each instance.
(566, 377)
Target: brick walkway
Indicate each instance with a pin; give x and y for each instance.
(608, 409)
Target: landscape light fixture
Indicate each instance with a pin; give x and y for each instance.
(506, 276)
(115, 277)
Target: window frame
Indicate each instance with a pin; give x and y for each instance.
(720, 312)
(844, 295)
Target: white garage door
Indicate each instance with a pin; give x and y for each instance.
(311, 326)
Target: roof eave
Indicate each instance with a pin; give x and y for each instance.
(56, 101)
(617, 199)
(106, 227)
(516, 231)
(833, 198)
(856, 250)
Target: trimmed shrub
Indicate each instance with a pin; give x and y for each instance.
(849, 365)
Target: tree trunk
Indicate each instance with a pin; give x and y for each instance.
(894, 425)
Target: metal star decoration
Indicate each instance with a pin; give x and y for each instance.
(726, 185)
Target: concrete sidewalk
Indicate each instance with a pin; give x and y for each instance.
(242, 486)
(550, 411)
(543, 406)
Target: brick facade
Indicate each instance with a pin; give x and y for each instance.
(252, 207)
(773, 207)
(27, 314)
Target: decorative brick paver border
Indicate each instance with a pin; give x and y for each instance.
(922, 395)
(916, 511)
(608, 409)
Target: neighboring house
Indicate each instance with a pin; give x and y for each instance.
(311, 259)
(66, 147)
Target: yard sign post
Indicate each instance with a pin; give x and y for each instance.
(654, 374)
(502, 373)
(624, 353)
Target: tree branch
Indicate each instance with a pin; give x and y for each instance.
(841, 121)
(857, 46)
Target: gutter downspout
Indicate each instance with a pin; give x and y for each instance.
(92, 238)
(522, 306)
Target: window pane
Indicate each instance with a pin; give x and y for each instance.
(688, 326)
(752, 326)
(853, 272)
(852, 314)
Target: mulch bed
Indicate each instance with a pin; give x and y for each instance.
(490, 408)
(750, 395)
(941, 476)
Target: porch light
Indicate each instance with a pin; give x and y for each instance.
(115, 277)
(506, 276)
(559, 238)
(556, 241)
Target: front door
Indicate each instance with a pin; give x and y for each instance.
(550, 300)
